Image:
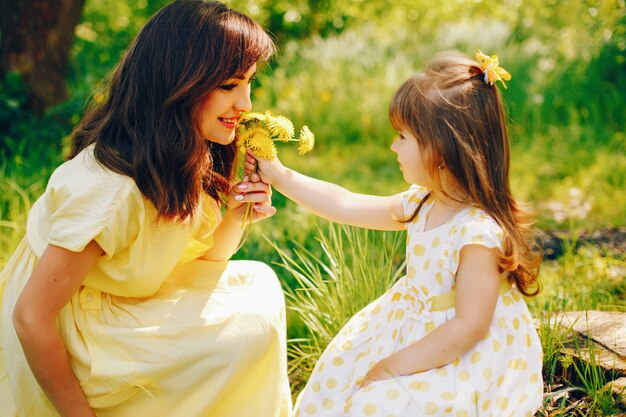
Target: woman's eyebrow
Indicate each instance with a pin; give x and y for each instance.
(242, 76)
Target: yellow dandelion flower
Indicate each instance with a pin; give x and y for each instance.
(306, 140)
(245, 135)
(280, 127)
(252, 116)
(262, 144)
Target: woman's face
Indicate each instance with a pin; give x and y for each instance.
(221, 108)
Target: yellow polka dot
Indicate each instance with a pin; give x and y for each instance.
(392, 394)
(526, 318)
(363, 354)
(363, 327)
(447, 396)
(419, 250)
(440, 263)
(426, 265)
(534, 378)
(310, 409)
(410, 272)
(455, 362)
(439, 278)
(331, 383)
(475, 358)
(394, 335)
(502, 322)
(328, 404)
(424, 289)
(347, 345)
(518, 364)
(320, 368)
(441, 371)
(316, 387)
(463, 230)
(500, 380)
(516, 323)
(516, 296)
(462, 413)
(464, 375)
(523, 398)
(502, 402)
(399, 314)
(527, 339)
(376, 309)
(396, 296)
(486, 405)
(431, 408)
(478, 239)
(420, 385)
(487, 373)
(497, 346)
(436, 242)
(338, 361)
(475, 397)
(510, 339)
(370, 409)
(507, 300)
(348, 406)
(430, 326)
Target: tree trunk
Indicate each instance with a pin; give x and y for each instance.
(36, 37)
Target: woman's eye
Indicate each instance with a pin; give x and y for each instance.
(251, 79)
(227, 87)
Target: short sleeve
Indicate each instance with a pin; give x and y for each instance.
(411, 198)
(93, 204)
(480, 229)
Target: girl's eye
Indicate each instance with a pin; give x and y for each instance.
(251, 79)
(401, 136)
(227, 87)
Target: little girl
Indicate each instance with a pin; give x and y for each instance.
(453, 337)
(121, 300)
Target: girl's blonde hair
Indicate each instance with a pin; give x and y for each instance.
(459, 122)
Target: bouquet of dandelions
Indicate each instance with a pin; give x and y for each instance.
(260, 131)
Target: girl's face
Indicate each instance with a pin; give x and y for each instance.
(221, 108)
(410, 158)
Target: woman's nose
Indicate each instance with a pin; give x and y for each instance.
(244, 103)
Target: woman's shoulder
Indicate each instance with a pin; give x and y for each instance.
(84, 174)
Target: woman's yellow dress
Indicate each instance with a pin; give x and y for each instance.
(155, 330)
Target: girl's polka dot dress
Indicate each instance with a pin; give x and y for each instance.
(499, 377)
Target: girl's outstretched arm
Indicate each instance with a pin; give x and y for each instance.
(54, 280)
(329, 200)
(478, 282)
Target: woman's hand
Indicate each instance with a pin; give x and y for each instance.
(384, 369)
(269, 171)
(251, 190)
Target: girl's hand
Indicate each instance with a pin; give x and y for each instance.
(268, 170)
(251, 190)
(384, 369)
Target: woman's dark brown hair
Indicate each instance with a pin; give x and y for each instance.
(145, 127)
(459, 120)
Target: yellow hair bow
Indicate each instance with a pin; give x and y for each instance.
(492, 69)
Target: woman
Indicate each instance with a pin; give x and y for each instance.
(120, 300)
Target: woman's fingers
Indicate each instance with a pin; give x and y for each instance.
(249, 191)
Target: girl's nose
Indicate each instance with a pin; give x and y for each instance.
(394, 144)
